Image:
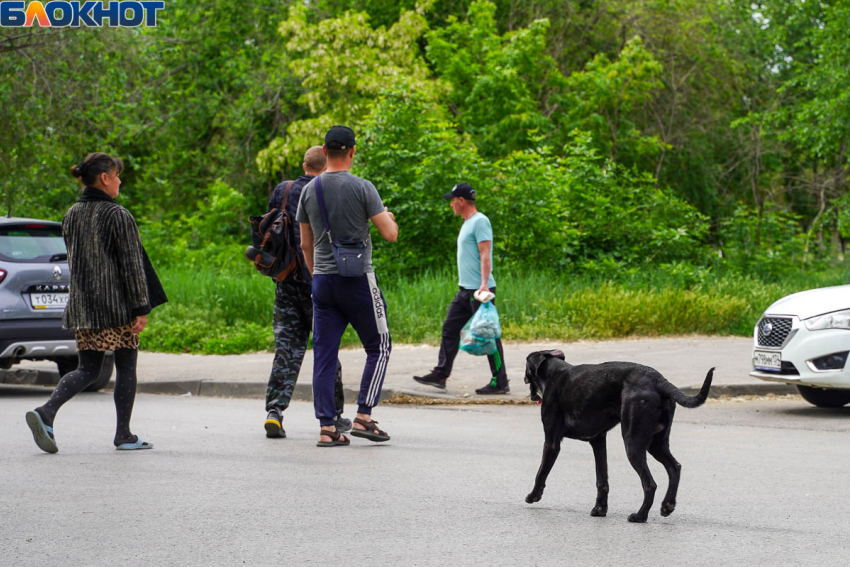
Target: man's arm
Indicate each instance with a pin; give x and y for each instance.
(307, 245)
(386, 225)
(484, 252)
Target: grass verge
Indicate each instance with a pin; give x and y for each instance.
(216, 313)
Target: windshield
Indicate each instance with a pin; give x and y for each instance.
(32, 242)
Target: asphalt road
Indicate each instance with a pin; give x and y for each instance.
(763, 483)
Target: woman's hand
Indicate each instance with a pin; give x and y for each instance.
(139, 324)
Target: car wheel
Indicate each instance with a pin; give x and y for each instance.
(68, 364)
(105, 373)
(825, 397)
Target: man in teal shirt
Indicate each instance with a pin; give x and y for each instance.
(475, 273)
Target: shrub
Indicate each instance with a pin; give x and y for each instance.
(548, 211)
(769, 245)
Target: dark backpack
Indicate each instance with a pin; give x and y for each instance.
(273, 243)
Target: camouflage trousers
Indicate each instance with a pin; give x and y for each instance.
(293, 321)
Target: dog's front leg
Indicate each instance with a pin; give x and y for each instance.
(551, 448)
(600, 455)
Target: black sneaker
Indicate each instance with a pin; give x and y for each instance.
(432, 379)
(343, 425)
(492, 388)
(274, 424)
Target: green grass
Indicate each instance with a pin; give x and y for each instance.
(215, 313)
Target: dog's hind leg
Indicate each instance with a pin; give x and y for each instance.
(637, 457)
(660, 449)
(600, 455)
(551, 448)
(638, 429)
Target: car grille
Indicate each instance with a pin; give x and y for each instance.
(772, 331)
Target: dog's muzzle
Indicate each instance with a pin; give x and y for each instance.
(535, 396)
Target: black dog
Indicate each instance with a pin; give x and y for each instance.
(585, 401)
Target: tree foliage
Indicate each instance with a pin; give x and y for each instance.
(501, 85)
(599, 133)
(342, 64)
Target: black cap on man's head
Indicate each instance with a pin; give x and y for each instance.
(464, 190)
(340, 138)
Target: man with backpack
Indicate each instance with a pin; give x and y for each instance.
(334, 215)
(293, 311)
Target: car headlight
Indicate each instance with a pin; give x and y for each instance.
(837, 320)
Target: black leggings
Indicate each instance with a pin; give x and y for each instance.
(86, 373)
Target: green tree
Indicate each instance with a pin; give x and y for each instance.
(67, 93)
(342, 64)
(413, 154)
(502, 86)
(602, 100)
(812, 56)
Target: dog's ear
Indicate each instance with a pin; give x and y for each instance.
(557, 354)
(535, 359)
(532, 362)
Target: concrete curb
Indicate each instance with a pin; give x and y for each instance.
(256, 390)
(304, 392)
(28, 377)
(732, 390)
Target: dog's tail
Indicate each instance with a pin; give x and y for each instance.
(668, 389)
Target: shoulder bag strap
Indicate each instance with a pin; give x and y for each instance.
(320, 196)
(285, 195)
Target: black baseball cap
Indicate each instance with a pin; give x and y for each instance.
(340, 138)
(464, 190)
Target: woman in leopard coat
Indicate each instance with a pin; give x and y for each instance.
(113, 288)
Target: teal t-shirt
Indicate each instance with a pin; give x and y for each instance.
(475, 229)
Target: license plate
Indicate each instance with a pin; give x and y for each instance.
(49, 300)
(767, 360)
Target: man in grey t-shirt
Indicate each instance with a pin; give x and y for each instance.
(350, 203)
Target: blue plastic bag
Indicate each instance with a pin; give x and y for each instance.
(478, 336)
(485, 322)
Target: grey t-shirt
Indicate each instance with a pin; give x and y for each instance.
(351, 202)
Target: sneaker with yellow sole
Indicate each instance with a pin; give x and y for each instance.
(274, 425)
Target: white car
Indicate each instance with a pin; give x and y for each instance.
(804, 339)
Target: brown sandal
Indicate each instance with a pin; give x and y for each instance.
(337, 439)
(372, 433)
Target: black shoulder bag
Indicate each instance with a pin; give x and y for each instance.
(350, 255)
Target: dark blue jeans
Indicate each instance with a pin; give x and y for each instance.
(338, 301)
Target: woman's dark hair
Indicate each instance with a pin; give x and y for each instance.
(95, 164)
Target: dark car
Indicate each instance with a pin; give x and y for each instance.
(34, 285)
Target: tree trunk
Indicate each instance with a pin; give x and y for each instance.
(821, 189)
(755, 182)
